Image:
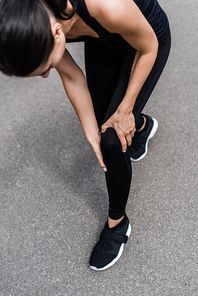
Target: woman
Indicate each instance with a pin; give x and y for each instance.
(127, 44)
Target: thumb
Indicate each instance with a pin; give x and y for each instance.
(105, 126)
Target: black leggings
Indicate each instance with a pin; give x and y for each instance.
(107, 77)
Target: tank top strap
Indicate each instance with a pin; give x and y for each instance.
(89, 20)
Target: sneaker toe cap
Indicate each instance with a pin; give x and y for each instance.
(99, 258)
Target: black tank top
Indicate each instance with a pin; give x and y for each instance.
(149, 8)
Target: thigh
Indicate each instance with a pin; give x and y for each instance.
(102, 70)
(121, 86)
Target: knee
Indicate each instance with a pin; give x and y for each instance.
(110, 142)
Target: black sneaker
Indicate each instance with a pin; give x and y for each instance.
(139, 146)
(110, 246)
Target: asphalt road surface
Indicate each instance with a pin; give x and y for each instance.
(53, 196)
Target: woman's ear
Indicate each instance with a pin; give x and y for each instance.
(56, 30)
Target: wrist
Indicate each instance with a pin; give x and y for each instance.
(127, 104)
(125, 109)
(93, 137)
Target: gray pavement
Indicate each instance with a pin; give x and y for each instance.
(53, 194)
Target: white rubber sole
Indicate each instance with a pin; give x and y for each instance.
(152, 133)
(117, 257)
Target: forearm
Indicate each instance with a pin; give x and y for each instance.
(76, 88)
(79, 95)
(142, 66)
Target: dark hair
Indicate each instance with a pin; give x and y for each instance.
(58, 7)
(26, 40)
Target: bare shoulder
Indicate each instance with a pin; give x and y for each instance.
(96, 7)
(113, 13)
(125, 18)
(108, 8)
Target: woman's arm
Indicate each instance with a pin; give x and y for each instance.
(125, 18)
(76, 88)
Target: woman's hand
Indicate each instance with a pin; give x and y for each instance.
(95, 144)
(124, 125)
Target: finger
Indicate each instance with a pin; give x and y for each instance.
(123, 142)
(131, 135)
(101, 163)
(105, 126)
(99, 157)
(129, 140)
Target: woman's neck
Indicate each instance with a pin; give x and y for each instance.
(74, 27)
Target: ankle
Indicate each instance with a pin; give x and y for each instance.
(112, 223)
(143, 126)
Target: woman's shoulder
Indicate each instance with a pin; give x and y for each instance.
(114, 14)
(97, 8)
